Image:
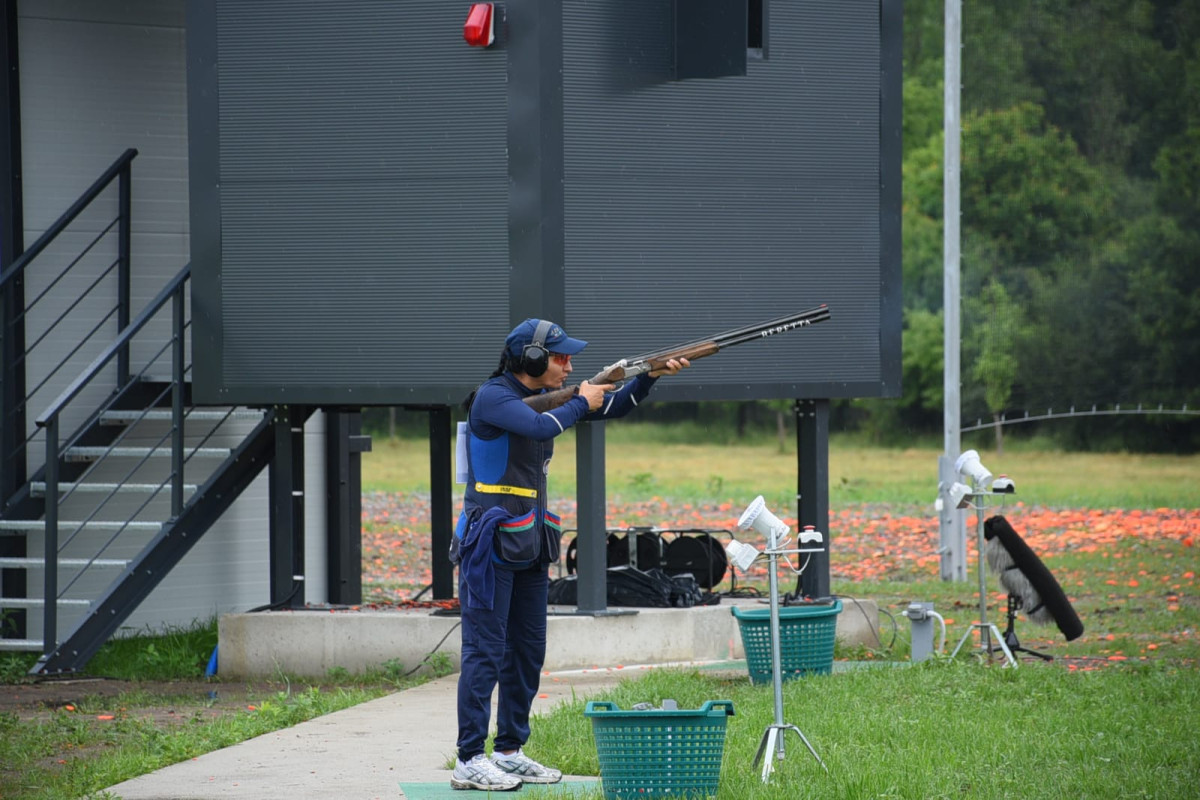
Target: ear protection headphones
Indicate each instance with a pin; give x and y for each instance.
(535, 358)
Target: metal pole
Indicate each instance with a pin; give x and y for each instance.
(951, 524)
(984, 637)
(441, 500)
(177, 376)
(776, 657)
(124, 278)
(50, 595)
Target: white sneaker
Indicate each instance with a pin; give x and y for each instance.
(525, 767)
(480, 773)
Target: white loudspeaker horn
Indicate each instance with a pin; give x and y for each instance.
(757, 516)
(740, 554)
(958, 495)
(969, 465)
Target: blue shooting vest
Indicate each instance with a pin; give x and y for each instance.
(509, 472)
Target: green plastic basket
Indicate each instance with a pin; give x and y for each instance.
(806, 636)
(659, 753)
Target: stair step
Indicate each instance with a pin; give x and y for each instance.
(93, 453)
(38, 488)
(67, 525)
(27, 645)
(21, 562)
(124, 417)
(37, 602)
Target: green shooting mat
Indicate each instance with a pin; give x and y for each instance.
(566, 789)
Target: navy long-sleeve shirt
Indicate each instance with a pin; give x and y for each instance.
(499, 407)
(508, 456)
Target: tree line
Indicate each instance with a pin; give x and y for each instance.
(1080, 226)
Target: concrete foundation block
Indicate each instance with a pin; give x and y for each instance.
(309, 643)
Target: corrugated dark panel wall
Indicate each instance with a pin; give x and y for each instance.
(363, 200)
(697, 206)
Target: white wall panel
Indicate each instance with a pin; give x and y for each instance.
(97, 79)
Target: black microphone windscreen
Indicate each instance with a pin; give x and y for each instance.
(1022, 573)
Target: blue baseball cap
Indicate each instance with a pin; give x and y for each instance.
(557, 340)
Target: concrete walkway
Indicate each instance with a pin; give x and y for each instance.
(360, 753)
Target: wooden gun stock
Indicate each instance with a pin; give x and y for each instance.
(621, 371)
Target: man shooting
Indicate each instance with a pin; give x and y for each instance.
(507, 538)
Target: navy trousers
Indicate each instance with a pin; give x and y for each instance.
(505, 646)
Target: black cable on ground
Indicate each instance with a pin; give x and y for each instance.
(871, 624)
(434, 650)
(276, 606)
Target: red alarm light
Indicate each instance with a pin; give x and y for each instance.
(479, 29)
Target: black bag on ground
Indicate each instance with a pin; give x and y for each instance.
(634, 588)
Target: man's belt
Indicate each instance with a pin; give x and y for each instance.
(491, 488)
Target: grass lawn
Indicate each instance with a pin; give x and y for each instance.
(1102, 720)
(936, 730)
(1107, 718)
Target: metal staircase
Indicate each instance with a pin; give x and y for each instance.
(119, 475)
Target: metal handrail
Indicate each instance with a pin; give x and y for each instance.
(12, 435)
(113, 350)
(68, 216)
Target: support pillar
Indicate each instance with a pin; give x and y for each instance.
(286, 478)
(13, 582)
(592, 584)
(441, 500)
(344, 446)
(812, 499)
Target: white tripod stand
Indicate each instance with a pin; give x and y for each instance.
(762, 520)
(986, 629)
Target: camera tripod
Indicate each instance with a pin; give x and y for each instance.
(1010, 635)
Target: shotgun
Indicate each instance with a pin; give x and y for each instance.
(627, 368)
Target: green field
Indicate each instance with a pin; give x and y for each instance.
(644, 461)
(1116, 529)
